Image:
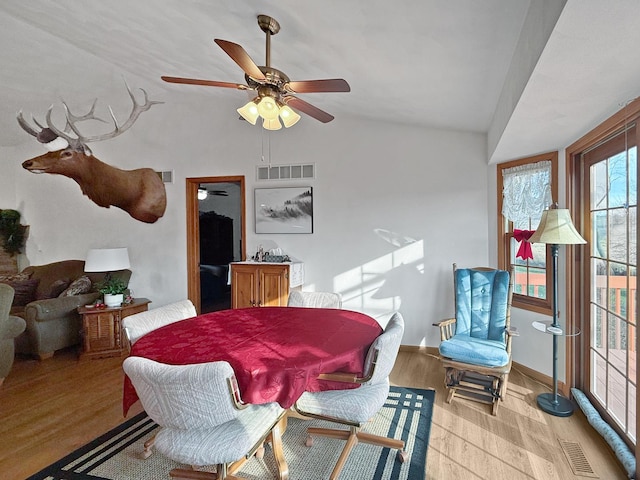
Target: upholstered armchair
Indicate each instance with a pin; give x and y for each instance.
(139, 324)
(475, 346)
(53, 321)
(314, 299)
(10, 328)
(354, 407)
(202, 421)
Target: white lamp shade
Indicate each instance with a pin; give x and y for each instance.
(288, 116)
(556, 228)
(107, 260)
(273, 124)
(249, 112)
(268, 108)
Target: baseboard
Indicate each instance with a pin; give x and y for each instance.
(419, 349)
(540, 378)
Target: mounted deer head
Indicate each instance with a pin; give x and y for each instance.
(139, 192)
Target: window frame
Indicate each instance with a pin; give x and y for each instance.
(505, 234)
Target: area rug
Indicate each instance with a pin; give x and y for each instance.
(407, 413)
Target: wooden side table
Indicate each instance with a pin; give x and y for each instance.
(102, 328)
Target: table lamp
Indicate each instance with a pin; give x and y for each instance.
(107, 260)
(556, 228)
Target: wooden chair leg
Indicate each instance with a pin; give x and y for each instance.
(452, 393)
(353, 436)
(381, 441)
(503, 390)
(352, 441)
(278, 452)
(184, 474)
(275, 438)
(148, 446)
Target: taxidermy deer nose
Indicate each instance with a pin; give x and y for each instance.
(26, 163)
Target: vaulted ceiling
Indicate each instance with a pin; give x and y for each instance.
(533, 75)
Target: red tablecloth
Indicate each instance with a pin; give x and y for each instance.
(276, 353)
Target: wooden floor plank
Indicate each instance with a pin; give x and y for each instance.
(50, 408)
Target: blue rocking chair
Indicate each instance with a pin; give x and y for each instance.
(475, 346)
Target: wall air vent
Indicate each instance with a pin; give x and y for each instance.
(286, 172)
(166, 176)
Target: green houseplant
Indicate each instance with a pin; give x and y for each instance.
(113, 290)
(13, 235)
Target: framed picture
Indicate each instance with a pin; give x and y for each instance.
(284, 210)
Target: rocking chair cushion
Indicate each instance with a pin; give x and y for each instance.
(477, 351)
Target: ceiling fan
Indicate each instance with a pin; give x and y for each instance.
(204, 192)
(274, 98)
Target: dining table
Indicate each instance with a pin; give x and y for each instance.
(277, 353)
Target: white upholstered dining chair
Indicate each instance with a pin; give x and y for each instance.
(354, 407)
(314, 299)
(139, 324)
(200, 418)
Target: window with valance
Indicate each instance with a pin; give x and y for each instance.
(526, 187)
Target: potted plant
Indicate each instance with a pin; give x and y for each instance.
(13, 234)
(113, 290)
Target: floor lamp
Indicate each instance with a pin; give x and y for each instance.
(556, 228)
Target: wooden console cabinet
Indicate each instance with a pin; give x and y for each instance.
(102, 334)
(256, 284)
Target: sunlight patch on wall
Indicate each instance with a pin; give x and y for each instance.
(376, 286)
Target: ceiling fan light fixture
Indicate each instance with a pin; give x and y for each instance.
(289, 116)
(249, 112)
(268, 108)
(272, 85)
(272, 124)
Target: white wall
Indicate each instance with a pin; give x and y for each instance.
(7, 186)
(394, 206)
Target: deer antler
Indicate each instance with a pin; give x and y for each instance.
(136, 110)
(80, 143)
(25, 126)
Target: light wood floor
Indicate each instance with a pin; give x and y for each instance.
(49, 408)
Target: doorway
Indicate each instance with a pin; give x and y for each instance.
(215, 238)
(610, 204)
(602, 302)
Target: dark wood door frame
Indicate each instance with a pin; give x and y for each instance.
(193, 231)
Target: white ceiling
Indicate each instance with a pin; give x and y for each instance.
(436, 63)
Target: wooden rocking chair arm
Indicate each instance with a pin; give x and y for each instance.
(512, 332)
(445, 322)
(447, 328)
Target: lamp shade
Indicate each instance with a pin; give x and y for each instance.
(107, 260)
(249, 112)
(288, 116)
(268, 108)
(273, 124)
(556, 228)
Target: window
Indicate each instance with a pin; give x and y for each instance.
(525, 188)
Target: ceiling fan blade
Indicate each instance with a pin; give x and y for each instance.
(242, 58)
(313, 86)
(207, 83)
(307, 108)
